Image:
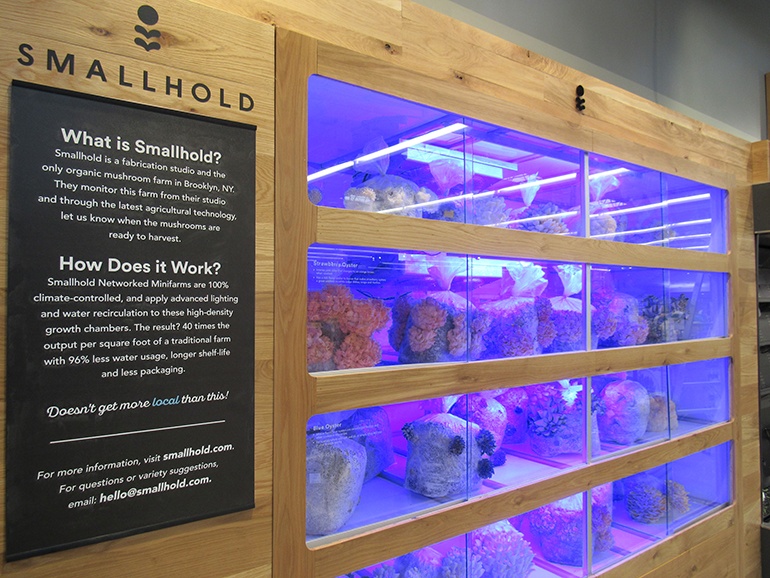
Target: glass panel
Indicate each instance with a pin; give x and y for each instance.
(699, 395)
(632, 204)
(370, 307)
(635, 306)
(522, 308)
(616, 297)
(638, 516)
(627, 516)
(698, 485)
(447, 558)
(384, 463)
(495, 551)
(373, 152)
(694, 307)
(522, 182)
(646, 406)
(542, 433)
(557, 532)
(631, 409)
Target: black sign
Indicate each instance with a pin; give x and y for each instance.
(130, 320)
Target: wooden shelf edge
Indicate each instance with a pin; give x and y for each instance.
(341, 226)
(340, 390)
(384, 543)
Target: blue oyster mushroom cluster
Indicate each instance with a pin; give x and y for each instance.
(626, 411)
(648, 498)
(555, 419)
(424, 563)
(341, 456)
(559, 526)
(666, 322)
(460, 564)
(457, 445)
(486, 442)
(438, 455)
(487, 412)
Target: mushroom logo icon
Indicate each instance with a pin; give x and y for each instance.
(149, 17)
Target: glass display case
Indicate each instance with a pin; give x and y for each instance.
(626, 517)
(379, 464)
(370, 467)
(637, 306)
(370, 307)
(656, 503)
(373, 152)
(633, 204)
(645, 406)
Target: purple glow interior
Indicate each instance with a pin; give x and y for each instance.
(373, 152)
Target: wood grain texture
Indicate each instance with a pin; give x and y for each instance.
(760, 162)
(339, 226)
(233, 48)
(708, 559)
(405, 49)
(368, 26)
(467, 94)
(134, 69)
(193, 52)
(747, 478)
(339, 390)
(294, 218)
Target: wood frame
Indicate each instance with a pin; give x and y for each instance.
(300, 224)
(401, 47)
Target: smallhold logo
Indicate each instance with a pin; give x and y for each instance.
(93, 69)
(149, 16)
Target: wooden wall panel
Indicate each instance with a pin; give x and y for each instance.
(708, 559)
(746, 384)
(760, 162)
(199, 44)
(403, 48)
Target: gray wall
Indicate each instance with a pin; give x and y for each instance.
(705, 58)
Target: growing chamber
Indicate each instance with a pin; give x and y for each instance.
(582, 534)
(380, 307)
(375, 465)
(373, 152)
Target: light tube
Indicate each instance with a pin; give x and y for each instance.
(662, 204)
(386, 151)
(538, 218)
(678, 238)
(650, 229)
(518, 187)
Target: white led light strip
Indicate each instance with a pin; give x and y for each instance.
(386, 151)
